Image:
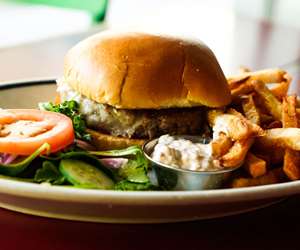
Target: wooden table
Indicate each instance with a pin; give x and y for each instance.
(255, 44)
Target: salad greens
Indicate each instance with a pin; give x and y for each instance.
(49, 173)
(70, 109)
(14, 169)
(124, 169)
(127, 185)
(133, 175)
(84, 175)
(84, 169)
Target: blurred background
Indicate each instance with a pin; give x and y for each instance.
(35, 34)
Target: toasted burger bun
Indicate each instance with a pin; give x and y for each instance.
(108, 142)
(143, 71)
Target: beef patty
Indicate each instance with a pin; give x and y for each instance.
(138, 123)
(149, 123)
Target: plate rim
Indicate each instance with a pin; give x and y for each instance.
(30, 190)
(4, 85)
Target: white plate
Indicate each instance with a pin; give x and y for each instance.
(120, 206)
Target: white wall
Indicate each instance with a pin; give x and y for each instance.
(25, 23)
(286, 12)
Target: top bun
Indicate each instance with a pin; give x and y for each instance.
(144, 71)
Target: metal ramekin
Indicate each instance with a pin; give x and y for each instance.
(171, 178)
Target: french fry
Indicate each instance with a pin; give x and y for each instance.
(231, 125)
(260, 104)
(272, 156)
(289, 115)
(276, 156)
(250, 110)
(267, 108)
(264, 156)
(271, 177)
(236, 81)
(254, 128)
(242, 89)
(298, 102)
(254, 165)
(291, 161)
(238, 129)
(221, 145)
(274, 124)
(280, 90)
(298, 113)
(266, 76)
(291, 164)
(272, 104)
(236, 153)
(279, 138)
(241, 84)
(264, 118)
(212, 116)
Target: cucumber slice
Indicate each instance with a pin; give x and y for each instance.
(84, 175)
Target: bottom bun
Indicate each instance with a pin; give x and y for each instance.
(108, 142)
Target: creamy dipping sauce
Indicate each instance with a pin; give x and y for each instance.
(184, 154)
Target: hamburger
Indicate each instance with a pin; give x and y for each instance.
(135, 86)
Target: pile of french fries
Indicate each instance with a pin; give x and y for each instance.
(259, 130)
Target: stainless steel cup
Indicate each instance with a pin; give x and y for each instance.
(171, 178)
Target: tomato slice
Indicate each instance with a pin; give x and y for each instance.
(22, 131)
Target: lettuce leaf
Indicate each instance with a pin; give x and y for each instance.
(70, 109)
(132, 186)
(79, 155)
(14, 169)
(133, 175)
(49, 173)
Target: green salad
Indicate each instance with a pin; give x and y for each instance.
(78, 164)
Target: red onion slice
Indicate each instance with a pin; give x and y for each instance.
(114, 163)
(7, 158)
(84, 145)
